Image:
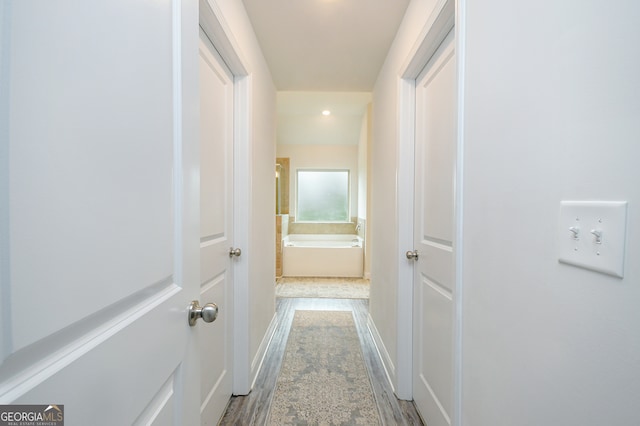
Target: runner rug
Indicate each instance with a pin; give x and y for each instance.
(323, 379)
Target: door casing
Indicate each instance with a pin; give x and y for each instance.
(445, 18)
(214, 26)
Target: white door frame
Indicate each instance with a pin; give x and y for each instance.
(4, 174)
(219, 33)
(445, 17)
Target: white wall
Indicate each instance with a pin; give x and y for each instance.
(321, 157)
(383, 215)
(261, 250)
(363, 154)
(551, 113)
(364, 185)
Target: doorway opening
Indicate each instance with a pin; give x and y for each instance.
(321, 189)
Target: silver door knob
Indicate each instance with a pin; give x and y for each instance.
(412, 255)
(208, 312)
(235, 252)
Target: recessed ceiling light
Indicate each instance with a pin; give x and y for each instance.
(326, 112)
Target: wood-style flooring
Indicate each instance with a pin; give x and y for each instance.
(253, 409)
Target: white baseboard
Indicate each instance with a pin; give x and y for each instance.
(258, 360)
(389, 368)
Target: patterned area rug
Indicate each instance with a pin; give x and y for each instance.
(336, 288)
(323, 379)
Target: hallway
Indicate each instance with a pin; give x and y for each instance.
(253, 409)
(115, 223)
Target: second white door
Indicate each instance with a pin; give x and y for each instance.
(216, 229)
(434, 236)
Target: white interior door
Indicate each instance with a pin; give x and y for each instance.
(433, 237)
(216, 228)
(100, 255)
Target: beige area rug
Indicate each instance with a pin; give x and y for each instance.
(323, 379)
(337, 288)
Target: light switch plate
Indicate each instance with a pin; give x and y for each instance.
(579, 244)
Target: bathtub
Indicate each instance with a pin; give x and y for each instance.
(326, 255)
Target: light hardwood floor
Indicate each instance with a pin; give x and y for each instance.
(253, 409)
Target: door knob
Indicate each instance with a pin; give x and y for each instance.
(412, 255)
(208, 312)
(235, 252)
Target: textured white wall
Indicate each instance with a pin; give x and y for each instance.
(552, 107)
(363, 148)
(262, 196)
(364, 184)
(382, 217)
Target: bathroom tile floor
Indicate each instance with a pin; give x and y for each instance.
(336, 288)
(253, 409)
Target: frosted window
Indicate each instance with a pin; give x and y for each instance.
(323, 196)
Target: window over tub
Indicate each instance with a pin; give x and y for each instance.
(322, 195)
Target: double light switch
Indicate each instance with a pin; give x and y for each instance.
(592, 235)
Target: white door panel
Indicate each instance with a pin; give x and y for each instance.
(217, 253)
(435, 321)
(216, 229)
(102, 252)
(98, 372)
(66, 124)
(215, 133)
(437, 158)
(433, 236)
(215, 366)
(439, 259)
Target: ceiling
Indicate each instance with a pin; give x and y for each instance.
(325, 45)
(328, 46)
(300, 119)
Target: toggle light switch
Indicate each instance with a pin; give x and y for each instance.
(592, 235)
(576, 232)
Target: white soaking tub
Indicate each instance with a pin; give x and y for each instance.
(322, 255)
